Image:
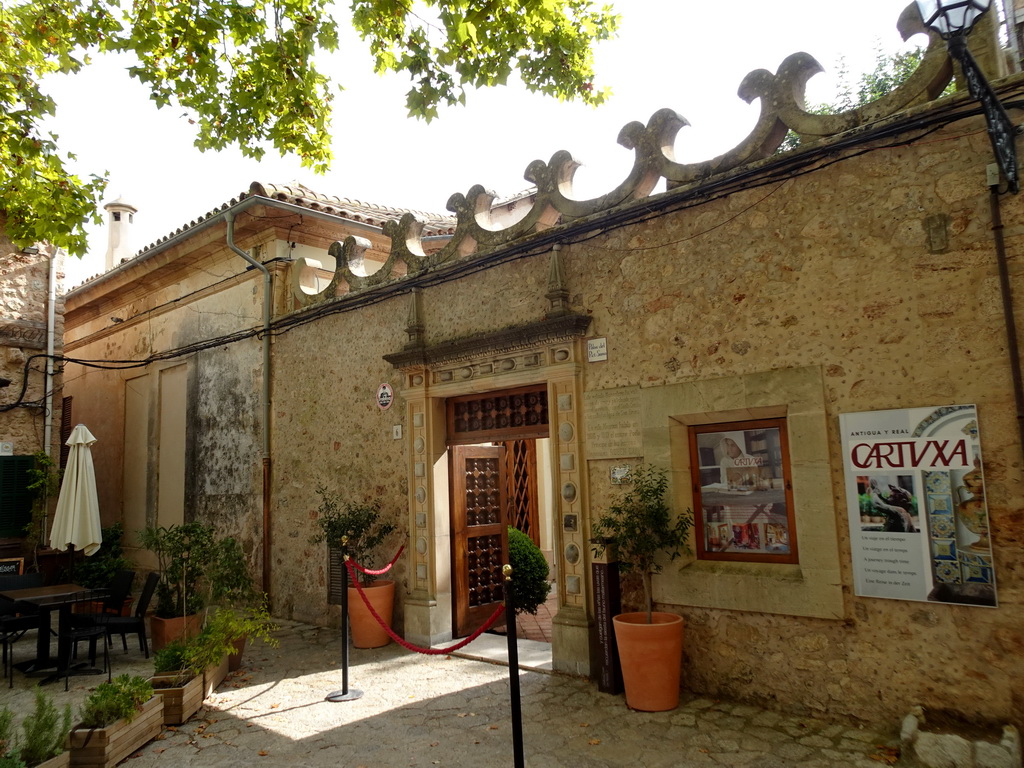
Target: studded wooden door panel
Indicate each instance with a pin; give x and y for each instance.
(479, 533)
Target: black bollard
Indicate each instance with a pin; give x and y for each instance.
(345, 694)
(515, 697)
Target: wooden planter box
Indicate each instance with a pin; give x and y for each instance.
(214, 676)
(60, 761)
(180, 701)
(106, 747)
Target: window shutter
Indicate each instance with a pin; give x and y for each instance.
(15, 498)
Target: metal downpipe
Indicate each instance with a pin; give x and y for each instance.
(229, 217)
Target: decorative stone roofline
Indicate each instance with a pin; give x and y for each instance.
(782, 109)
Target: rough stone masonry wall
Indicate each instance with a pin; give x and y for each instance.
(836, 269)
(24, 279)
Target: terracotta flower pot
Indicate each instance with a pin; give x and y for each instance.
(164, 631)
(651, 656)
(366, 632)
(235, 659)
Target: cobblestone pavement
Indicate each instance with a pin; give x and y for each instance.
(421, 710)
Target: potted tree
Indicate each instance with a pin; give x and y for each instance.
(117, 718)
(650, 643)
(43, 732)
(184, 554)
(357, 530)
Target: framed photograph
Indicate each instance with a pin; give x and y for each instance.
(743, 492)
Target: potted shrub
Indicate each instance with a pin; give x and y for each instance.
(99, 570)
(530, 582)
(183, 553)
(117, 718)
(43, 732)
(650, 643)
(177, 683)
(357, 531)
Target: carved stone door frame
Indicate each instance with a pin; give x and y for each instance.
(549, 352)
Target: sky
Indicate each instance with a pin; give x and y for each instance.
(687, 55)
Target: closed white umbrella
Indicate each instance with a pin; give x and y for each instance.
(76, 521)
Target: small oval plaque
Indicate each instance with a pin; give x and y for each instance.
(569, 492)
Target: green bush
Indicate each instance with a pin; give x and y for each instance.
(98, 571)
(44, 730)
(120, 699)
(530, 584)
(355, 528)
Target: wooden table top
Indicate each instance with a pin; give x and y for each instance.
(55, 593)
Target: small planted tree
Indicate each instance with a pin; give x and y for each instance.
(357, 529)
(641, 529)
(530, 583)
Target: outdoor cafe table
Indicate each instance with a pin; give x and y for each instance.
(60, 598)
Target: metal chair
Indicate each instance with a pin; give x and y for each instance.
(93, 632)
(135, 624)
(16, 618)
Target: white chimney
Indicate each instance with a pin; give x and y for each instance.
(120, 216)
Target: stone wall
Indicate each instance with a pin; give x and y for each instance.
(24, 282)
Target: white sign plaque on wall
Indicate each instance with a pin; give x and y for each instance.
(915, 494)
(597, 350)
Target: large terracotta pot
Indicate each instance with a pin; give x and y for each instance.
(366, 632)
(164, 631)
(651, 656)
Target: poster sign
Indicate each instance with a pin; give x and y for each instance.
(915, 495)
(385, 396)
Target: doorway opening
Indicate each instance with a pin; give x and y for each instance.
(500, 475)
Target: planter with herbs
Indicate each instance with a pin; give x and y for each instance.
(40, 742)
(177, 683)
(117, 718)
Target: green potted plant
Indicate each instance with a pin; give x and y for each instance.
(530, 583)
(183, 553)
(358, 531)
(43, 732)
(116, 719)
(177, 682)
(641, 529)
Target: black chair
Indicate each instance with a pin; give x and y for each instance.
(119, 588)
(135, 624)
(16, 618)
(73, 635)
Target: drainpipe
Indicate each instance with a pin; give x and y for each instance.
(51, 334)
(229, 217)
(1008, 314)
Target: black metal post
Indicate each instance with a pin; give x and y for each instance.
(345, 694)
(515, 697)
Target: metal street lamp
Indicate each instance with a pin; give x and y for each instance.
(953, 21)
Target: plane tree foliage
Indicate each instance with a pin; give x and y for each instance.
(245, 73)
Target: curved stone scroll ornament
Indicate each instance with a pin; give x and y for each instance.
(783, 107)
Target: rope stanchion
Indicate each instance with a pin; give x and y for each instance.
(383, 570)
(346, 693)
(514, 695)
(351, 566)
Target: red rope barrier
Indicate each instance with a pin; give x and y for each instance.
(406, 644)
(383, 570)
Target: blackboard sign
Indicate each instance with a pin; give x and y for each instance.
(12, 566)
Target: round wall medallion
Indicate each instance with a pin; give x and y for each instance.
(566, 431)
(572, 554)
(561, 355)
(419, 445)
(421, 494)
(417, 380)
(569, 492)
(421, 545)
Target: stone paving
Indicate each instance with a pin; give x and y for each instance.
(421, 710)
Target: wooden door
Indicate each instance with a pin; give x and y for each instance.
(479, 533)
